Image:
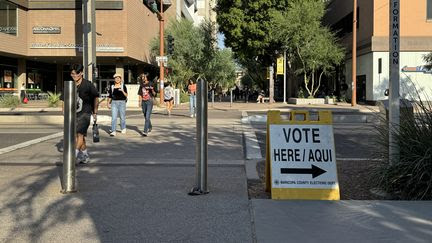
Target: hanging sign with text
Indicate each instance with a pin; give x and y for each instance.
(303, 160)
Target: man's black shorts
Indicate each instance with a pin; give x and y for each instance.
(166, 100)
(82, 123)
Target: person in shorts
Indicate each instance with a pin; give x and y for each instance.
(169, 97)
(87, 105)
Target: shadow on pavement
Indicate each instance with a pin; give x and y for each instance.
(118, 201)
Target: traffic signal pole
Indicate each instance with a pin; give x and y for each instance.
(161, 52)
(354, 58)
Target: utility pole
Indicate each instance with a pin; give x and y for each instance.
(354, 57)
(394, 97)
(284, 64)
(271, 85)
(161, 51)
(89, 38)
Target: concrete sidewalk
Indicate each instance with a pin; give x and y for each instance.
(342, 221)
(135, 189)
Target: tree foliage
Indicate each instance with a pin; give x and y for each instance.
(195, 54)
(259, 30)
(314, 46)
(428, 59)
(246, 25)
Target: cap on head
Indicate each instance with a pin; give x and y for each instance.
(117, 75)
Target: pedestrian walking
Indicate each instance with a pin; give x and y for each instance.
(87, 105)
(146, 94)
(192, 98)
(169, 97)
(117, 97)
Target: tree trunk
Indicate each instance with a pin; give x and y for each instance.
(319, 82)
(313, 84)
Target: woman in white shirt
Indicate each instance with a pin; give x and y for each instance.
(169, 97)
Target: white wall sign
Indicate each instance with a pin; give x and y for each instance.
(46, 30)
(302, 156)
(99, 47)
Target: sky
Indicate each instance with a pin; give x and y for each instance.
(220, 40)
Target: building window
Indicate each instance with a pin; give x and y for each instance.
(8, 18)
(429, 10)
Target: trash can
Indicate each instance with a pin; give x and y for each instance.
(406, 109)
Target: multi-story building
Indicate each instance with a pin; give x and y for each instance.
(197, 10)
(373, 45)
(40, 39)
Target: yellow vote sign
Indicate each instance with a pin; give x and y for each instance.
(280, 65)
(301, 157)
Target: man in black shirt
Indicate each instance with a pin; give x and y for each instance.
(87, 104)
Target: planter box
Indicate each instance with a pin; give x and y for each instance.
(306, 101)
(330, 101)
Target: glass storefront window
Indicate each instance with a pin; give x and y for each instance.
(8, 77)
(8, 18)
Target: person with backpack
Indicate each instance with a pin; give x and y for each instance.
(146, 94)
(87, 100)
(169, 97)
(117, 97)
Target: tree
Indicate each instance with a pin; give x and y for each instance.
(300, 31)
(428, 59)
(195, 55)
(246, 25)
(221, 70)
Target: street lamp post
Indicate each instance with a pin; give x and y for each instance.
(284, 64)
(354, 57)
(161, 51)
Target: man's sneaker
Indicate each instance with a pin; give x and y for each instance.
(191, 115)
(112, 134)
(145, 134)
(85, 159)
(123, 131)
(149, 130)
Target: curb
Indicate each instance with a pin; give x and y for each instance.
(337, 118)
(49, 119)
(252, 149)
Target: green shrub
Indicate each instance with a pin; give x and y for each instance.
(184, 97)
(9, 101)
(410, 178)
(53, 99)
(33, 91)
(301, 93)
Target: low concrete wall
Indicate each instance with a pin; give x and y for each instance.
(132, 95)
(305, 101)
